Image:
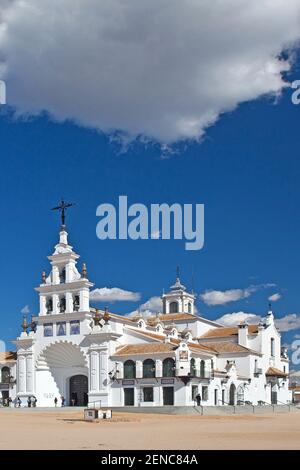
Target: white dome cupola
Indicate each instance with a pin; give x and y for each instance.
(178, 300)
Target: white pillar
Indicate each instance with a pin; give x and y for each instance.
(84, 300)
(55, 300)
(94, 371)
(55, 275)
(21, 382)
(103, 366)
(139, 369)
(69, 302)
(158, 368)
(69, 271)
(43, 309)
(29, 374)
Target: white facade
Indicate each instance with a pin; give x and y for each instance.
(82, 355)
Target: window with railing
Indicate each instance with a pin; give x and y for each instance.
(148, 369)
(202, 368)
(193, 367)
(129, 370)
(169, 367)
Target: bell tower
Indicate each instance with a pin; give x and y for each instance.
(65, 289)
(178, 300)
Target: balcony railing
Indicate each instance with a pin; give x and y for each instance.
(198, 374)
(258, 371)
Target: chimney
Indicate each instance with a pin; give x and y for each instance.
(243, 334)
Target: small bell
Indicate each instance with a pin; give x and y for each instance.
(97, 317)
(106, 315)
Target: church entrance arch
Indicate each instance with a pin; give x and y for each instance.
(78, 390)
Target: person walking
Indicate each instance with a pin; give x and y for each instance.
(55, 402)
(19, 402)
(63, 401)
(198, 399)
(29, 402)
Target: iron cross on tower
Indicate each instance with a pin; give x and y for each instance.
(62, 207)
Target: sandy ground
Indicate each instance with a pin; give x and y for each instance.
(67, 430)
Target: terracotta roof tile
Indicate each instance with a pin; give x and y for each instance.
(148, 348)
(227, 347)
(273, 372)
(227, 331)
(201, 347)
(8, 356)
(166, 317)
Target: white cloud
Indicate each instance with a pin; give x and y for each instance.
(165, 69)
(231, 319)
(25, 310)
(295, 373)
(114, 294)
(275, 297)
(151, 307)
(288, 323)
(217, 297)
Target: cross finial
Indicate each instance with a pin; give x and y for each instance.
(62, 207)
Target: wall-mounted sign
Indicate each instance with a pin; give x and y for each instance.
(127, 382)
(167, 381)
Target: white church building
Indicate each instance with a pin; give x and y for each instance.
(175, 357)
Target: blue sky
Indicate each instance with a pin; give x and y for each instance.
(205, 90)
(246, 172)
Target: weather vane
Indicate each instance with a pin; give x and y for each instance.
(62, 207)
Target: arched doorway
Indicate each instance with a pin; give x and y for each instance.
(232, 394)
(78, 390)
